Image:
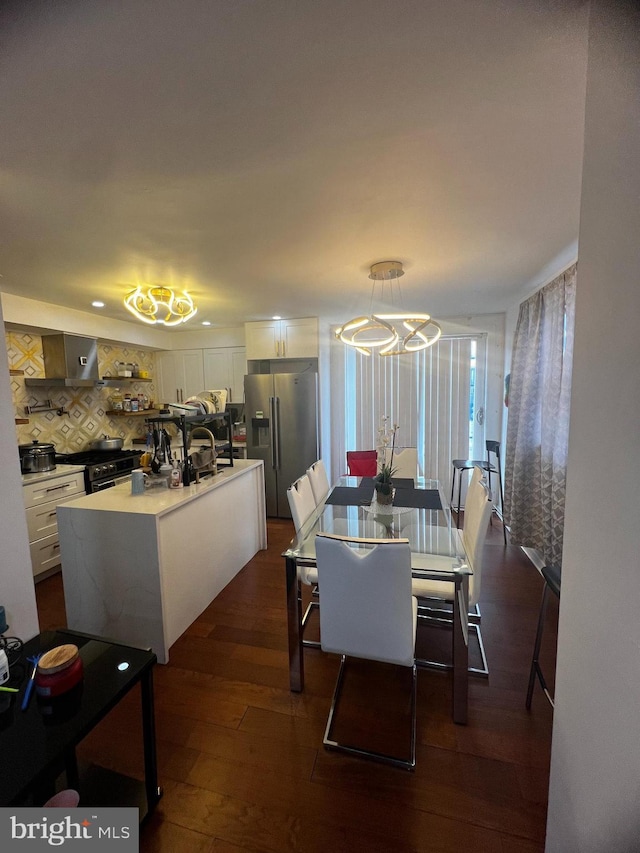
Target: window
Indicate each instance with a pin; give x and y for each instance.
(433, 396)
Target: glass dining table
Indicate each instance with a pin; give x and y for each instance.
(419, 513)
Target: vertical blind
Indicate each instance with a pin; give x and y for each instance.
(426, 394)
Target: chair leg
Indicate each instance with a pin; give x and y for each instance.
(312, 644)
(483, 671)
(425, 663)
(406, 764)
(535, 665)
(453, 486)
(490, 486)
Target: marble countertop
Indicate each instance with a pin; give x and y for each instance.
(58, 471)
(158, 501)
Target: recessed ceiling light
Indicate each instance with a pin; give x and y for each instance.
(98, 304)
(206, 323)
(276, 317)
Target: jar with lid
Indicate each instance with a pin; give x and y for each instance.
(126, 404)
(116, 400)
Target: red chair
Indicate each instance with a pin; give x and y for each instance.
(362, 463)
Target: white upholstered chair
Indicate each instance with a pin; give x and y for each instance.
(303, 505)
(301, 501)
(478, 507)
(405, 461)
(367, 612)
(317, 475)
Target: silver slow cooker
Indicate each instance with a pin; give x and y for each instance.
(37, 457)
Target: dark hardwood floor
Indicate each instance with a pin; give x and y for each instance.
(241, 760)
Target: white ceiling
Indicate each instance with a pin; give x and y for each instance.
(264, 153)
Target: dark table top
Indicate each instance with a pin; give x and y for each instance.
(33, 743)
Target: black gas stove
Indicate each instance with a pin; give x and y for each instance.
(103, 468)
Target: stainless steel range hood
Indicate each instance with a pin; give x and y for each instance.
(69, 360)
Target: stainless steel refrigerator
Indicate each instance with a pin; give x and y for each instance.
(281, 413)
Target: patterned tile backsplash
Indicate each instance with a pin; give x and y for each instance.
(86, 409)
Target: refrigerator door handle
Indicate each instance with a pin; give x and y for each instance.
(274, 431)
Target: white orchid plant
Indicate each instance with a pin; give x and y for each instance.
(386, 439)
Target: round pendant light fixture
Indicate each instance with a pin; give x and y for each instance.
(160, 304)
(389, 333)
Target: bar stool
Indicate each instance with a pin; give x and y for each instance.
(460, 465)
(552, 578)
(494, 447)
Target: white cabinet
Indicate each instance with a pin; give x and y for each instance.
(225, 367)
(41, 499)
(270, 339)
(180, 375)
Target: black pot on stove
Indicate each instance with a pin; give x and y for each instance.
(37, 457)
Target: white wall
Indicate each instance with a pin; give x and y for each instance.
(44, 316)
(17, 592)
(595, 766)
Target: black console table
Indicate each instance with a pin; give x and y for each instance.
(39, 743)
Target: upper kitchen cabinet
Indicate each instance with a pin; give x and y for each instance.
(269, 339)
(180, 375)
(225, 367)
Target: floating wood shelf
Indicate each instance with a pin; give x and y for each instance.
(14, 372)
(120, 413)
(114, 381)
(22, 420)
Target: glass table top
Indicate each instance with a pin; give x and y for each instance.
(436, 544)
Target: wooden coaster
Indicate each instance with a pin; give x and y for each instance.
(57, 659)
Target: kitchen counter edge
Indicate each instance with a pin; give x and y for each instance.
(158, 501)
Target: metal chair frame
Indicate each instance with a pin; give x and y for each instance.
(440, 614)
(366, 753)
(328, 741)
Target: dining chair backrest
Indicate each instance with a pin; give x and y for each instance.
(405, 461)
(317, 475)
(301, 501)
(367, 609)
(477, 477)
(477, 512)
(362, 463)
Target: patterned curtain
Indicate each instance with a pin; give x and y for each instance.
(538, 426)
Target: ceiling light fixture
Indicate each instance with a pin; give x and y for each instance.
(389, 332)
(160, 304)
(98, 304)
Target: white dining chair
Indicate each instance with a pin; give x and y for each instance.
(317, 475)
(301, 501)
(367, 612)
(405, 461)
(303, 505)
(478, 508)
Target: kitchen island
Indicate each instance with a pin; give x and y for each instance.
(141, 568)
